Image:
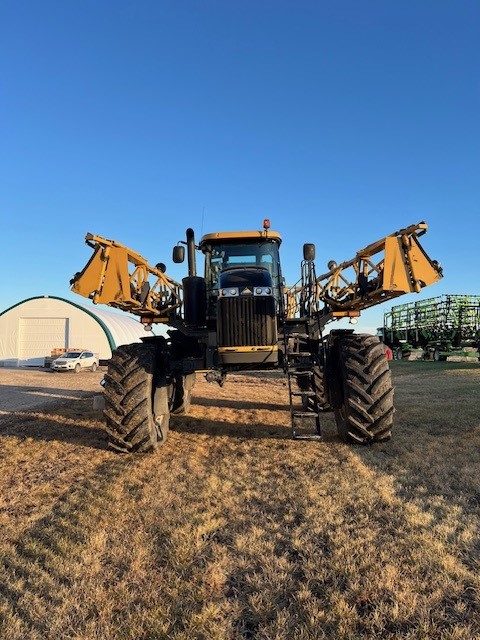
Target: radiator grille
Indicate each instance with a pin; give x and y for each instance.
(246, 321)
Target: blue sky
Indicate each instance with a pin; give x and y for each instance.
(340, 121)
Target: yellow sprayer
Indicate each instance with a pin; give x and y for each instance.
(239, 317)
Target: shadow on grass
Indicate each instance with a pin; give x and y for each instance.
(238, 404)
(37, 397)
(74, 424)
(187, 424)
(242, 430)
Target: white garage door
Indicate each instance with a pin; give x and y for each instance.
(38, 336)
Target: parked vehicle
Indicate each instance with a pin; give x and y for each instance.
(75, 361)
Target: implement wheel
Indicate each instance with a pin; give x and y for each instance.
(363, 397)
(136, 400)
(438, 357)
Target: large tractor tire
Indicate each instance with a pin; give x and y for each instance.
(363, 393)
(183, 394)
(137, 400)
(320, 389)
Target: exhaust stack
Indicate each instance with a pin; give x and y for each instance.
(192, 264)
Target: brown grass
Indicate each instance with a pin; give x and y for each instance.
(235, 531)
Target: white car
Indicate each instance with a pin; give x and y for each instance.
(75, 361)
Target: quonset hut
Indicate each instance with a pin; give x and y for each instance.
(33, 329)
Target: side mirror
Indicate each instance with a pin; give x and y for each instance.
(178, 254)
(309, 252)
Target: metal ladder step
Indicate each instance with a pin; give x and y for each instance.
(299, 364)
(302, 431)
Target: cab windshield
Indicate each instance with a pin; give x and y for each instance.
(247, 254)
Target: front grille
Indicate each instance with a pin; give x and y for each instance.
(246, 321)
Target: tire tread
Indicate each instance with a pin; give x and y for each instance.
(130, 423)
(366, 414)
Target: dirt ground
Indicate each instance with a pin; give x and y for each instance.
(232, 529)
(22, 389)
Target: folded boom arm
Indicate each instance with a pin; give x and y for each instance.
(386, 269)
(122, 278)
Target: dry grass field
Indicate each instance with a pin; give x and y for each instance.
(234, 531)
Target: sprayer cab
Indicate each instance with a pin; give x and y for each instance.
(242, 266)
(250, 250)
(241, 270)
